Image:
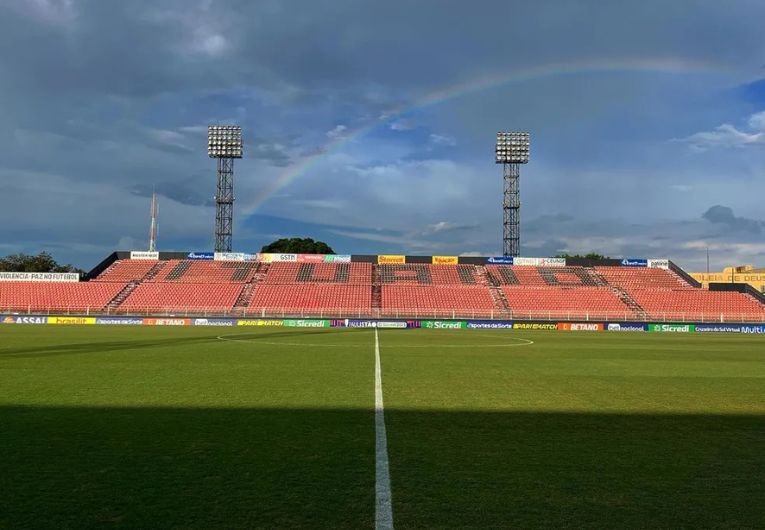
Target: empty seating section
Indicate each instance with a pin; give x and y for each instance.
(558, 302)
(426, 274)
(324, 298)
(198, 271)
(540, 276)
(127, 270)
(642, 278)
(57, 296)
(698, 304)
(181, 297)
(410, 300)
(345, 273)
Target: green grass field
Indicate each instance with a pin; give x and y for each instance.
(145, 427)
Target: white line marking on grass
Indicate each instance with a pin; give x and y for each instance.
(383, 507)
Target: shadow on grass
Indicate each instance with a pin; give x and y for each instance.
(245, 468)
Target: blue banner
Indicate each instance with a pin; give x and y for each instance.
(634, 262)
(757, 330)
(489, 324)
(201, 255)
(213, 322)
(501, 260)
(25, 320)
(718, 328)
(125, 321)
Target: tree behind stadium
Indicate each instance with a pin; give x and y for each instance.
(297, 245)
(43, 262)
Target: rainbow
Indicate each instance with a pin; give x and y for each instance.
(640, 65)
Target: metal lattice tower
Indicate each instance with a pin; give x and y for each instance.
(511, 211)
(224, 142)
(512, 150)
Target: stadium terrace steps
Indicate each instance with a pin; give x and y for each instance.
(121, 296)
(497, 295)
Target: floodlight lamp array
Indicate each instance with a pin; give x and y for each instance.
(512, 148)
(224, 141)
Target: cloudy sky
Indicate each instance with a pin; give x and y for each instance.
(370, 125)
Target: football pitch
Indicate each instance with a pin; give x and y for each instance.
(151, 427)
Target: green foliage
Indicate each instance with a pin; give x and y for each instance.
(43, 262)
(298, 245)
(590, 255)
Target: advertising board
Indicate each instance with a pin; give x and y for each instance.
(25, 320)
(627, 326)
(306, 323)
(672, 328)
(445, 260)
(718, 328)
(580, 326)
(214, 322)
(540, 262)
(264, 257)
(124, 321)
(535, 325)
(500, 260)
(635, 262)
(658, 263)
(310, 258)
(337, 258)
(229, 256)
(391, 260)
(444, 324)
(392, 324)
(260, 323)
(142, 254)
(39, 277)
(753, 330)
(488, 324)
(200, 255)
(167, 321)
(72, 320)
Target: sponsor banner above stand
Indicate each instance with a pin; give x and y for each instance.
(535, 325)
(391, 260)
(306, 323)
(444, 324)
(658, 263)
(264, 257)
(25, 320)
(635, 262)
(540, 262)
(500, 260)
(167, 321)
(39, 277)
(124, 321)
(214, 322)
(445, 260)
(718, 328)
(143, 254)
(337, 258)
(627, 326)
(231, 256)
(672, 328)
(260, 323)
(580, 326)
(488, 324)
(310, 258)
(72, 320)
(200, 255)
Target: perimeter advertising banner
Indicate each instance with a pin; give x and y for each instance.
(444, 324)
(214, 322)
(123, 321)
(753, 330)
(261, 323)
(71, 320)
(25, 320)
(488, 324)
(39, 277)
(167, 321)
(549, 326)
(391, 260)
(626, 326)
(306, 323)
(672, 328)
(445, 260)
(580, 326)
(718, 328)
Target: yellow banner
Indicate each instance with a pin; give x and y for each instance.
(265, 257)
(391, 260)
(445, 260)
(268, 323)
(71, 320)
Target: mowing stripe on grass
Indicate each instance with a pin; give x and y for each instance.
(383, 508)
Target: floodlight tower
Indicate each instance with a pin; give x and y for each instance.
(512, 150)
(224, 142)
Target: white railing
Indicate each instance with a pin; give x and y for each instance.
(418, 314)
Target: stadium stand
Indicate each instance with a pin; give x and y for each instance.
(414, 300)
(57, 296)
(698, 304)
(558, 302)
(178, 297)
(127, 270)
(196, 271)
(322, 298)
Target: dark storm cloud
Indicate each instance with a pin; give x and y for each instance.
(723, 215)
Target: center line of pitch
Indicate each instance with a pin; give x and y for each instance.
(383, 508)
